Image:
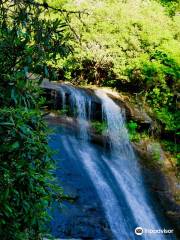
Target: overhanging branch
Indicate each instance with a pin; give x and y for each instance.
(45, 5)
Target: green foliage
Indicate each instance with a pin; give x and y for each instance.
(136, 30)
(130, 45)
(178, 160)
(132, 129)
(100, 127)
(27, 41)
(25, 177)
(169, 119)
(66, 111)
(172, 6)
(63, 111)
(170, 146)
(174, 149)
(29, 38)
(156, 152)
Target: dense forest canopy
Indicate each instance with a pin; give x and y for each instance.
(133, 46)
(130, 45)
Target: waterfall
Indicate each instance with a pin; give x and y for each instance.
(124, 166)
(116, 176)
(80, 105)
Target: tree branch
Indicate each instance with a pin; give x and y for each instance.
(47, 6)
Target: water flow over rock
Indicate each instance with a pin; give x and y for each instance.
(115, 176)
(124, 166)
(80, 104)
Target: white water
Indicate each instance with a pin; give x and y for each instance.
(81, 106)
(117, 178)
(124, 166)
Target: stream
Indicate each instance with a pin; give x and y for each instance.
(111, 198)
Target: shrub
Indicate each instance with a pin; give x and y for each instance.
(140, 58)
(132, 129)
(100, 127)
(25, 174)
(28, 39)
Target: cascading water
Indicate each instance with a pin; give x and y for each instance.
(116, 177)
(124, 167)
(80, 105)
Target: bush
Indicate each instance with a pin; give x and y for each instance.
(25, 177)
(132, 129)
(100, 127)
(121, 44)
(28, 39)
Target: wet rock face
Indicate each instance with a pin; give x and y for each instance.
(96, 114)
(161, 184)
(140, 116)
(160, 187)
(71, 123)
(54, 101)
(133, 112)
(150, 152)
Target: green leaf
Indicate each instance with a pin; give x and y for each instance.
(15, 145)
